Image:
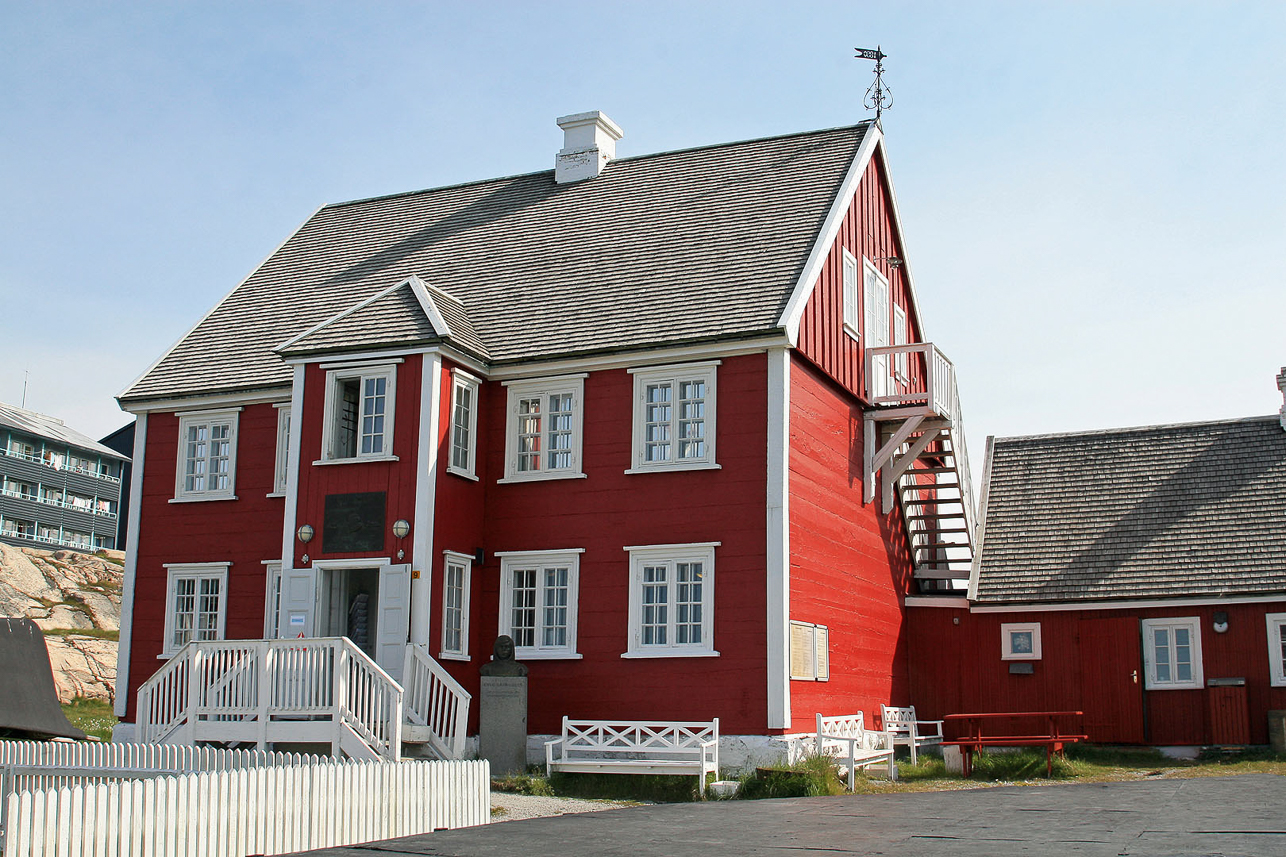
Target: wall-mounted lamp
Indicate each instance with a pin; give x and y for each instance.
(894, 261)
(400, 528)
(479, 555)
(1221, 622)
(305, 534)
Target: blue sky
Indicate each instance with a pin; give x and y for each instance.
(1093, 194)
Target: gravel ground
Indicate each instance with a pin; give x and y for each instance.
(511, 807)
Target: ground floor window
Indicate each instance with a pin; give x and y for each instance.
(671, 600)
(1172, 653)
(195, 603)
(539, 601)
(457, 573)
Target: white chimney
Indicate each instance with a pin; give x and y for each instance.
(589, 142)
(1281, 385)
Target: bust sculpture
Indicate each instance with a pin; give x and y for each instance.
(502, 662)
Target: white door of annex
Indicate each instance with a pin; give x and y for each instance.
(298, 603)
(394, 618)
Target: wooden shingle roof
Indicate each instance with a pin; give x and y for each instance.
(668, 249)
(1194, 510)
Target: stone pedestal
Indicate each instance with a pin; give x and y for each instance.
(502, 728)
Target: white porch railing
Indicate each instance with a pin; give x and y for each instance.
(902, 374)
(436, 705)
(321, 690)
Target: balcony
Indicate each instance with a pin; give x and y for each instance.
(60, 466)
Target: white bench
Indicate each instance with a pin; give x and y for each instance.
(635, 747)
(905, 729)
(846, 739)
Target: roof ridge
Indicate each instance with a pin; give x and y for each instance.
(1126, 429)
(497, 179)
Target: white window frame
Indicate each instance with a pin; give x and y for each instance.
(642, 556)
(195, 571)
(901, 365)
(1007, 631)
(542, 389)
(462, 381)
(272, 599)
(330, 437)
(852, 288)
(876, 298)
(1276, 657)
(196, 419)
(705, 372)
(541, 560)
(813, 645)
(1193, 625)
(281, 463)
(465, 563)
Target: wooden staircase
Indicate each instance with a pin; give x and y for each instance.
(915, 444)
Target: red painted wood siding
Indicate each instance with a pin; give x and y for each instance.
(244, 531)
(602, 514)
(956, 668)
(849, 563)
(397, 478)
(866, 232)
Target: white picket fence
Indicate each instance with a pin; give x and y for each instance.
(253, 810)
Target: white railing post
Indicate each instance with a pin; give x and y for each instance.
(267, 657)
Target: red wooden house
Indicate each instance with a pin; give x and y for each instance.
(1137, 575)
(630, 412)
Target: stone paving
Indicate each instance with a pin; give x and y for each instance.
(1242, 815)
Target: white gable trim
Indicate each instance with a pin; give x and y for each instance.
(980, 532)
(422, 297)
(803, 290)
(901, 242)
(215, 308)
(1139, 604)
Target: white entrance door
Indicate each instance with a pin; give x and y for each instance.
(394, 618)
(298, 603)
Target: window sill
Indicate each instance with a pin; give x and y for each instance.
(453, 656)
(673, 653)
(530, 655)
(852, 333)
(358, 460)
(276, 494)
(1020, 657)
(1185, 686)
(673, 468)
(203, 499)
(553, 475)
(462, 473)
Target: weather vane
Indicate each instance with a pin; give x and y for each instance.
(879, 97)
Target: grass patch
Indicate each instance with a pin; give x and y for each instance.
(100, 633)
(93, 716)
(526, 783)
(660, 788)
(812, 776)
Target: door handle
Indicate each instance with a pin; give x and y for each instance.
(1135, 675)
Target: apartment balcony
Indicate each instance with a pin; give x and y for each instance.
(59, 466)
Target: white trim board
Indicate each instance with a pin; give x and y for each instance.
(131, 567)
(777, 549)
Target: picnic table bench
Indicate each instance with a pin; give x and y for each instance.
(636, 747)
(1051, 736)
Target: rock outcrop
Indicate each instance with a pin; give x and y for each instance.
(75, 598)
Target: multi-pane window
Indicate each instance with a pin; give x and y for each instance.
(196, 604)
(538, 602)
(282, 466)
(544, 429)
(671, 600)
(359, 413)
(456, 573)
(1277, 649)
(875, 327)
(674, 417)
(207, 456)
(272, 600)
(1172, 653)
(1020, 641)
(852, 313)
(464, 423)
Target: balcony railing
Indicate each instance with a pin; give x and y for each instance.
(59, 504)
(66, 468)
(911, 374)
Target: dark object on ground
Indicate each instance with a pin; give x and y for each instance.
(29, 704)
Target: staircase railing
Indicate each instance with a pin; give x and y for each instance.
(266, 690)
(437, 701)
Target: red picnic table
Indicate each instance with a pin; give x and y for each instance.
(973, 739)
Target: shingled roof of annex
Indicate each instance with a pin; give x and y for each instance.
(676, 248)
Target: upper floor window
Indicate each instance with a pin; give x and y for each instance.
(674, 417)
(358, 420)
(543, 428)
(464, 424)
(195, 603)
(457, 573)
(539, 602)
(1277, 649)
(1172, 653)
(281, 468)
(852, 312)
(207, 455)
(671, 601)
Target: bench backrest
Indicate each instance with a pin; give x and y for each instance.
(898, 719)
(629, 737)
(844, 726)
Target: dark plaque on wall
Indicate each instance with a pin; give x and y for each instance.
(354, 522)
